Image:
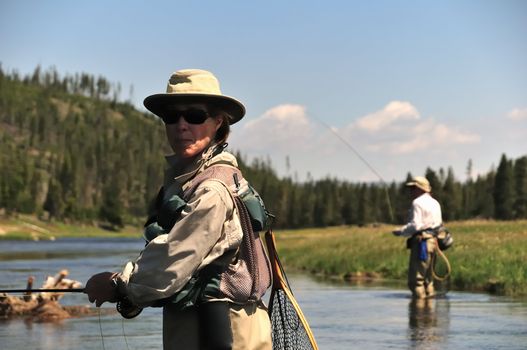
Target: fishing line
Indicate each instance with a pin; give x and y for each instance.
(124, 334)
(100, 328)
(345, 142)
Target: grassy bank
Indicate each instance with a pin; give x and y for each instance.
(28, 227)
(487, 256)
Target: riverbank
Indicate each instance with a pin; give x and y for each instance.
(29, 227)
(488, 256)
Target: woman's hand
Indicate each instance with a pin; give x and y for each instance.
(100, 288)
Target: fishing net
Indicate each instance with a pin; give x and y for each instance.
(289, 326)
(288, 329)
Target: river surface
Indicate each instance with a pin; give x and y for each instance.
(341, 316)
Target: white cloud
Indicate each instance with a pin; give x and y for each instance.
(398, 129)
(395, 135)
(429, 136)
(282, 127)
(518, 114)
(393, 112)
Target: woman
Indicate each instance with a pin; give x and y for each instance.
(201, 263)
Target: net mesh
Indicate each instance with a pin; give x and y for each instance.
(288, 330)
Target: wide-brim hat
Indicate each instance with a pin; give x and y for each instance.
(420, 182)
(193, 86)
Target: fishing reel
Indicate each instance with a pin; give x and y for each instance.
(124, 306)
(127, 309)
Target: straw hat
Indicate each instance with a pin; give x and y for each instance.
(420, 182)
(193, 86)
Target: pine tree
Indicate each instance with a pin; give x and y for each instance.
(436, 183)
(483, 196)
(54, 204)
(403, 200)
(451, 197)
(467, 201)
(520, 180)
(504, 190)
(364, 210)
(111, 210)
(308, 204)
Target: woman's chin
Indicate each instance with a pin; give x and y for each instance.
(187, 153)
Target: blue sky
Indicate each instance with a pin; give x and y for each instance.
(409, 84)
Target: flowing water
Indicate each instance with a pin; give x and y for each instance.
(341, 316)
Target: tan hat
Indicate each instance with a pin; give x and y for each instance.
(193, 86)
(420, 182)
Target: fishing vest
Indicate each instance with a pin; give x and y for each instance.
(240, 276)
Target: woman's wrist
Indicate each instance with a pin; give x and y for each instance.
(119, 285)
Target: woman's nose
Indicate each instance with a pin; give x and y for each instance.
(181, 123)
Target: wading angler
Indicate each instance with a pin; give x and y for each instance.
(426, 235)
(202, 263)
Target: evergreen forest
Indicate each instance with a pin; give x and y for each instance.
(71, 150)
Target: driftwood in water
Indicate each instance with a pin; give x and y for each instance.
(59, 282)
(43, 306)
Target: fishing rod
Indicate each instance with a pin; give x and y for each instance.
(124, 306)
(42, 290)
(345, 142)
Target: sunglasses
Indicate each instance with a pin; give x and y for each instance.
(191, 116)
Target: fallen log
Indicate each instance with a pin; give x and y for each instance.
(43, 306)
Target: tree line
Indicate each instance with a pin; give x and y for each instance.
(500, 194)
(70, 150)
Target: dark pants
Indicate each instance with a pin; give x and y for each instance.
(206, 327)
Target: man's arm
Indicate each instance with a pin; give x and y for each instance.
(414, 225)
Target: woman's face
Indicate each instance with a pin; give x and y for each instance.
(191, 130)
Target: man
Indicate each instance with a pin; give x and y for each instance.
(424, 216)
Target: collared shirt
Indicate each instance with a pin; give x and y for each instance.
(209, 226)
(424, 214)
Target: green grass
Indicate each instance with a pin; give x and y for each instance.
(487, 256)
(25, 227)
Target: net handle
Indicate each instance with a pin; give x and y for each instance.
(278, 277)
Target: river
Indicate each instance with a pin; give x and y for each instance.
(341, 316)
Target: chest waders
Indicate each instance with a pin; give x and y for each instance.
(226, 277)
(443, 240)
